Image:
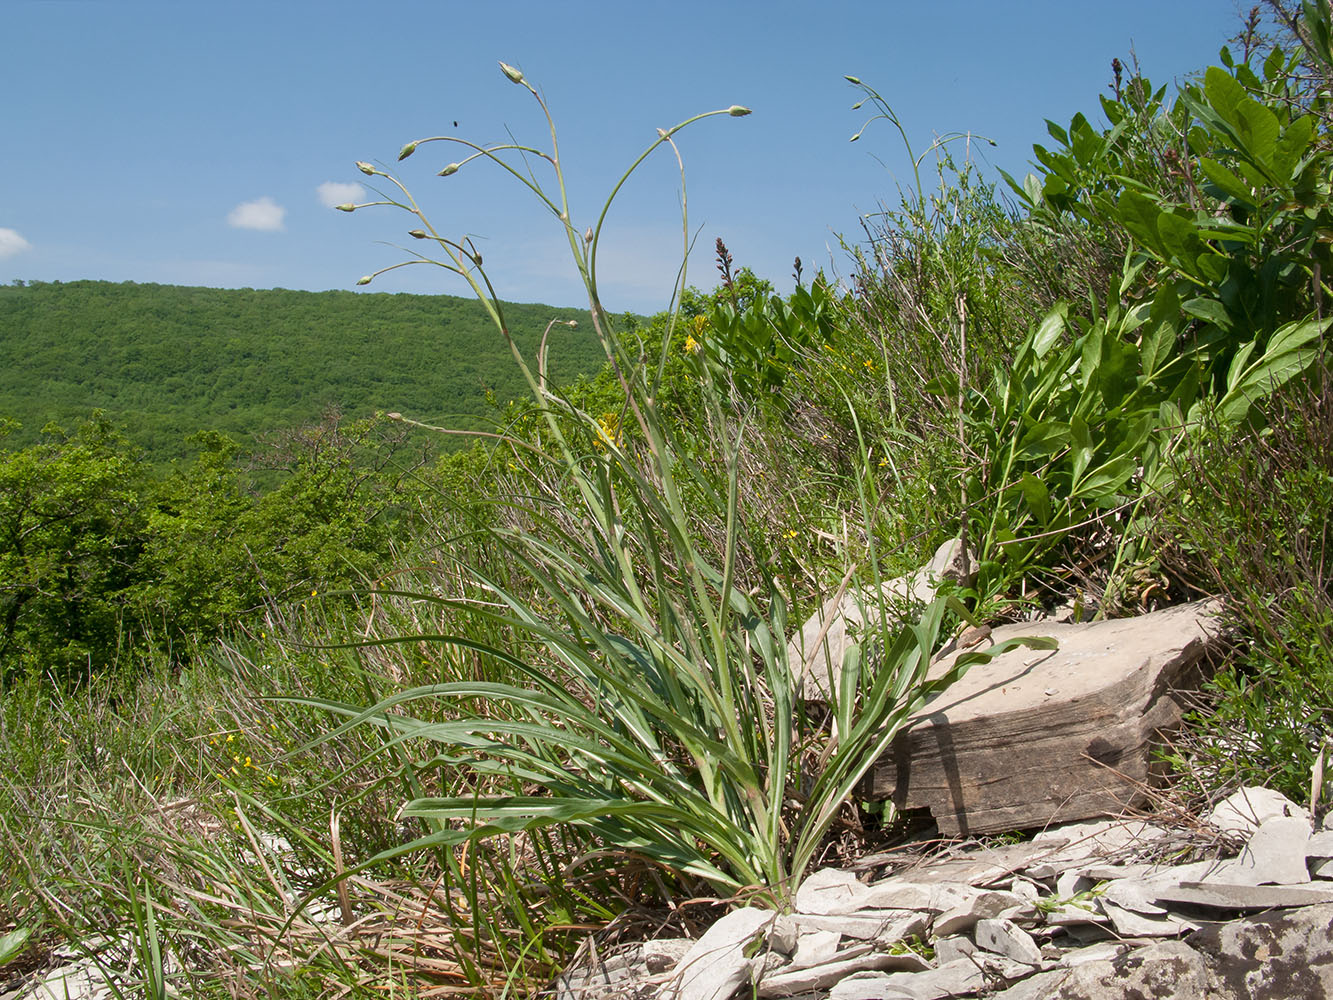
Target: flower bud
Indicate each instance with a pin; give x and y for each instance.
(450, 169)
(736, 111)
(345, 207)
(587, 236)
(363, 280)
(515, 76)
(365, 168)
(853, 79)
(417, 234)
(407, 151)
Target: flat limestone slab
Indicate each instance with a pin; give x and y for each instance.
(1037, 737)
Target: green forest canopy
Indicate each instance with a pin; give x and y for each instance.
(165, 361)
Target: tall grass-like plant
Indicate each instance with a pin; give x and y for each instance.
(634, 687)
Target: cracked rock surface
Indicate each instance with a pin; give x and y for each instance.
(1094, 910)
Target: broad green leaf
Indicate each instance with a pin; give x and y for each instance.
(1044, 438)
(1208, 310)
(1211, 267)
(1052, 326)
(1290, 351)
(1038, 498)
(1222, 92)
(1138, 214)
(1231, 185)
(1180, 238)
(1258, 130)
(1275, 64)
(1291, 148)
(1103, 481)
(1160, 336)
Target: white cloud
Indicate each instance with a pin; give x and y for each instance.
(11, 243)
(332, 194)
(263, 213)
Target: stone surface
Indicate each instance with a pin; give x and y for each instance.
(1169, 969)
(664, 953)
(995, 752)
(1274, 956)
(955, 979)
(792, 983)
(1274, 854)
(1127, 923)
(1246, 897)
(817, 653)
(870, 925)
(953, 949)
(1243, 810)
(717, 964)
(1320, 845)
(1006, 938)
(815, 948)
(980, 906)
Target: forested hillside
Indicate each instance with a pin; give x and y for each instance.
(165, 361)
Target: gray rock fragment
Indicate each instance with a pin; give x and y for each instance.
(818, 661)
(1166, 969)
(1246, 897)
(885, 926)
(1133, 894)
(1103, 951)
(796, 981)
(815, 948)
(1320, 845)
(1127, 923)
(1272, 957)
(830, 890)
(1242, 811)
(1074, 913)
(953, 949)
(664, 953)
(1004, 937)
(1275, 853)
(717, 964)
(955, 979)
(980, 906)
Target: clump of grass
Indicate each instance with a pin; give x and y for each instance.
(633, 689)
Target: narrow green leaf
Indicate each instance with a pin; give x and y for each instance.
(13, 943)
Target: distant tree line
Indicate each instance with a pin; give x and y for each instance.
(163, 362)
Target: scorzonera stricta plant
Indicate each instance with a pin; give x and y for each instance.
(638, 692)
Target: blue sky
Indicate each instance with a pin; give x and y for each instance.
(201, 143)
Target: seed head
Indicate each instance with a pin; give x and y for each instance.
(450, 169)
(365, 168)
(417, 234)
(407, 151)
(587, 236)
(515, 76)
(736, 111)
(363, 280)
(345, 207)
